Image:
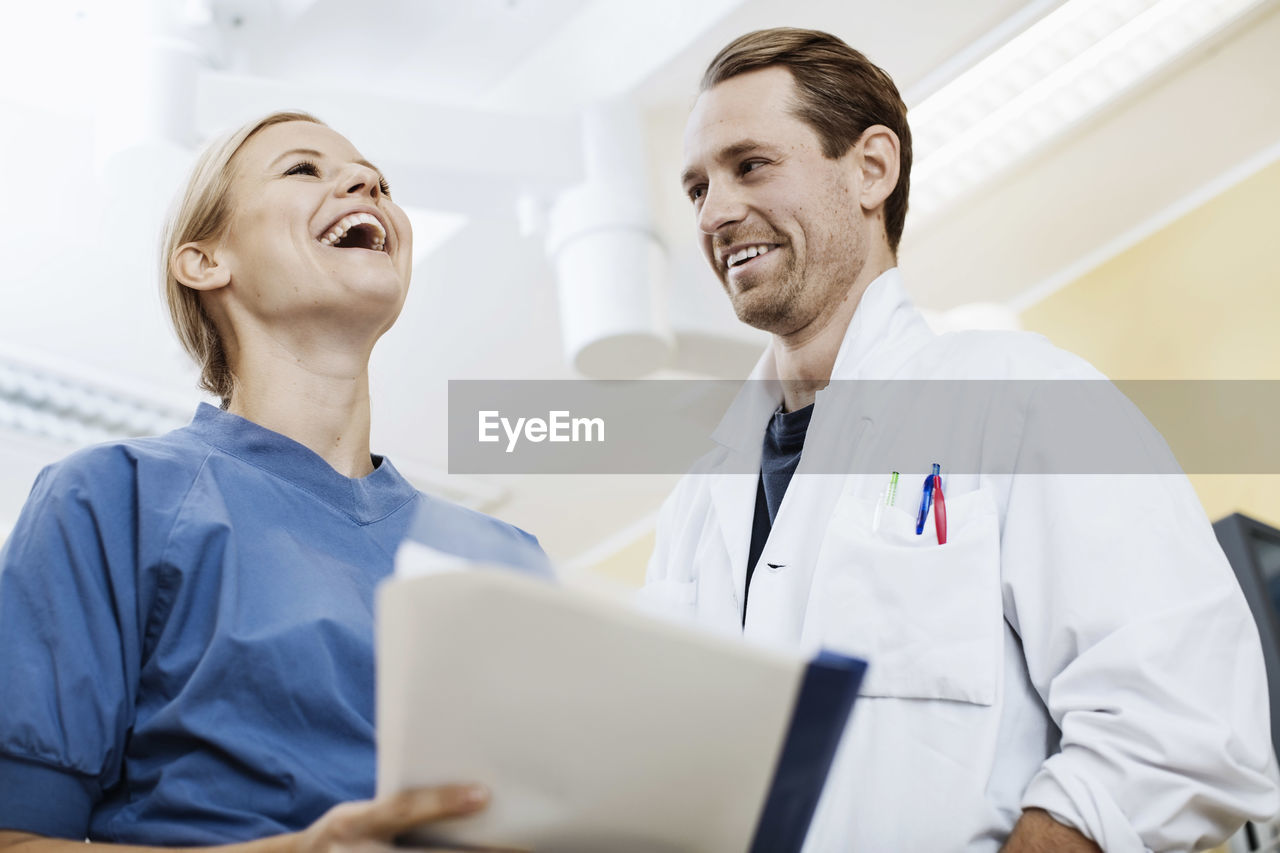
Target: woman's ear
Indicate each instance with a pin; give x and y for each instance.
(879, 164)
(194, 265)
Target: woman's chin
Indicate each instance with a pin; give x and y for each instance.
(369, 304)
(371, 290)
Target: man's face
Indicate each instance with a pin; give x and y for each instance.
(778, 221)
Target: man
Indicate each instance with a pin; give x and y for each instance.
(1075, 668)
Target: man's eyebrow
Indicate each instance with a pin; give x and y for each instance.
(729, 152)
(311, 152)
(737, 149)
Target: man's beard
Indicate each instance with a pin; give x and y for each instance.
(770, 304)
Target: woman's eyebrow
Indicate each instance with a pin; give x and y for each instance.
(311, 152)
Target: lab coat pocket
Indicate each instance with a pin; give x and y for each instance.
(927, 617)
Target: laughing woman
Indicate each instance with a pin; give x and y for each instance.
(186, 622)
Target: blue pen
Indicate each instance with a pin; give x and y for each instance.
(926, 499)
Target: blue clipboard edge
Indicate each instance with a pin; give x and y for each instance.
(826, 696)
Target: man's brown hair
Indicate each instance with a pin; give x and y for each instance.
(842, 93)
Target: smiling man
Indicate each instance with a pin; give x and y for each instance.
(1046, 674)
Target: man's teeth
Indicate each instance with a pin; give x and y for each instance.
(747, 254)
(351, 220)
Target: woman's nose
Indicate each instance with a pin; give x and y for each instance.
(358, 179)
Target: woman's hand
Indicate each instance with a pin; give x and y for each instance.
(369, 826)
(373, 825)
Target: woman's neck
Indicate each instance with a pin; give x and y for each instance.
(321, 402)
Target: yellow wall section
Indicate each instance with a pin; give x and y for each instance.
(1198, 299)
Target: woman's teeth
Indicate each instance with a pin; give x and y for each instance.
(350, 221)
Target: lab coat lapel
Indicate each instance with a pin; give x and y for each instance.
(733, 498)
(780, 585)
(733, 485)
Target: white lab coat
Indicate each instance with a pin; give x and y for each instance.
(1080, 644)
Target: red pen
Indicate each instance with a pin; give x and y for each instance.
(939, 510)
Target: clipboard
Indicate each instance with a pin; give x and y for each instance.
(597, 726)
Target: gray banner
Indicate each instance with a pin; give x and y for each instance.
(869, 427)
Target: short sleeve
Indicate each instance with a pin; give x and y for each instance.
(69, 631)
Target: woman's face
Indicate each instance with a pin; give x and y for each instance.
(313, 232)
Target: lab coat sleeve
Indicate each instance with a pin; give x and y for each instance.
(1138, 639)
(69, 630)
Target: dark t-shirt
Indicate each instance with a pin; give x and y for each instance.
(783, 442)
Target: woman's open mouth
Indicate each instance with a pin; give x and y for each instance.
(356, 231)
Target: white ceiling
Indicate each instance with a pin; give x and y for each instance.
(472, 109)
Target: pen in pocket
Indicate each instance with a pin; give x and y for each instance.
(939, 509)
(888, 495)
(932, 496)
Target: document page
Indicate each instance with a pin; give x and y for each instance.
(596, 727)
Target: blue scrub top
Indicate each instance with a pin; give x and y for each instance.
(186, 633)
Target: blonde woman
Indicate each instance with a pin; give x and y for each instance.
(186, 621)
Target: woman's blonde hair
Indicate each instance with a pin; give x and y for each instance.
(202, 214)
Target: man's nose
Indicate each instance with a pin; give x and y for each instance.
(721, 206)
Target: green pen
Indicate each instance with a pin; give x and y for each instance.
(887, 498)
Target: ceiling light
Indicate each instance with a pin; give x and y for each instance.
(40, 403)
(1065, 67)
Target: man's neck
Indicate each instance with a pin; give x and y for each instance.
(806, 357)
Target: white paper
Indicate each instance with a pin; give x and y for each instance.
(414, 559)
(595, 727)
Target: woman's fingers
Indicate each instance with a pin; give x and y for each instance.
(377, 822)
(390, 816)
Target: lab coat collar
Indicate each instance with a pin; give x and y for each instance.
(886, 330)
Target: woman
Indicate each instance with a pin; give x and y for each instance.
(187, 620)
